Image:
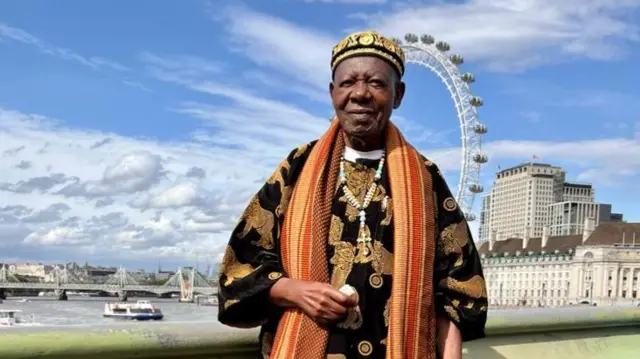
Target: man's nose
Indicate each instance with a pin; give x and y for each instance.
(360, 91)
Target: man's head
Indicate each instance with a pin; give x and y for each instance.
(366, 88)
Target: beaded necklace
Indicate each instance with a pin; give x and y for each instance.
(362, 234)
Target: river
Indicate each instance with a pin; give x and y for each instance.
(88, 311)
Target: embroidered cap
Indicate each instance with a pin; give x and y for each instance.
(368, 43)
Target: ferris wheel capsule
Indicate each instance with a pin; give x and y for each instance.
(476, 101)
(457, 59)
(443, 46)
(468, 78)
(480, 158)
(427, 39)
(411, 38)
(480, 128)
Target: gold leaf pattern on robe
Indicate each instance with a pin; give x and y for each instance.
(261, 220)
(388, 213)
(470, 304)
(359, 179)
(285, 191)
(342, 261)
(232, 269)
(335, 230)
(474, 287)
(354, 319)
(452, 313)
(301, 150)
(230, 302)
(453, 238)
(382, 261)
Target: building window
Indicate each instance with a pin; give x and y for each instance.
(609, 293)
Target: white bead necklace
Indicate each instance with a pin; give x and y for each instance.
(362, 235)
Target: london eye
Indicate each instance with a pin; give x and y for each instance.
(427, 52)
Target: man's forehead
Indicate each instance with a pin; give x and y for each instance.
(368, 65)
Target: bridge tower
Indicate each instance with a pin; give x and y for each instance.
(187, 279)
(6, 277)
(122, 278)
(62, 275)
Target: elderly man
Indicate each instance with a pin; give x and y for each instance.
(355, 247)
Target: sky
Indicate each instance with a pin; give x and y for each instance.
(134, 133)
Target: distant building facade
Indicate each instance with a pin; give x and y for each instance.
(600, 266)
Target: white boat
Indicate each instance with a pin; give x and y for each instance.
(141, 310)
(207, 301)
(8, 318)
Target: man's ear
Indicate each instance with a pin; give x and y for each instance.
(400, 89)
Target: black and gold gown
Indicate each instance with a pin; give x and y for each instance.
(251, 262)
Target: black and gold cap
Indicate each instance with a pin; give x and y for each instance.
(368, 43)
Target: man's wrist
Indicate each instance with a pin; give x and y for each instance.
(281, 294)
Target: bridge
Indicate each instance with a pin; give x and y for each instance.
(549, 333)
(186, 281)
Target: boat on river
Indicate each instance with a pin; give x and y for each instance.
(207, 301)
(8, 318)
(141, 310)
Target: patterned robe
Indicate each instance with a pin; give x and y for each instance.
(251, 264)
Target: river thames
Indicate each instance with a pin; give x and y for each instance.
(49, 311)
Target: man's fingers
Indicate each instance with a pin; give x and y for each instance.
(329, 304)
(338, 296)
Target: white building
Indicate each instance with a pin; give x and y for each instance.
(37, 271)
(520, 198)
(600, 266)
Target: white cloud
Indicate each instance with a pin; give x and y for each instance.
(112, 179)
(503, 34)
(517, 34)
(300, 52)
(609, 161)
(95, 62)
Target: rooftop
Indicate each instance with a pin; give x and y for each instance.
(607, 233)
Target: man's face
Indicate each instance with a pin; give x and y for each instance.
(364, 91)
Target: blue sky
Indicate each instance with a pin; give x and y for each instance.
(136, 133)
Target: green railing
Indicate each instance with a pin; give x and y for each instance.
(559, 333)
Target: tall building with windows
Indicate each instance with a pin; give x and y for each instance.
(577, 192)
(520, 198)
(485, 216)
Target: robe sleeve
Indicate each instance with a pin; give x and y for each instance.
(460, 289)
(251, 263)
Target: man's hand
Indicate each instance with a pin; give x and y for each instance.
(320, 301)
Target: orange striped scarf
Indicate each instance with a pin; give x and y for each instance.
(304, 244)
